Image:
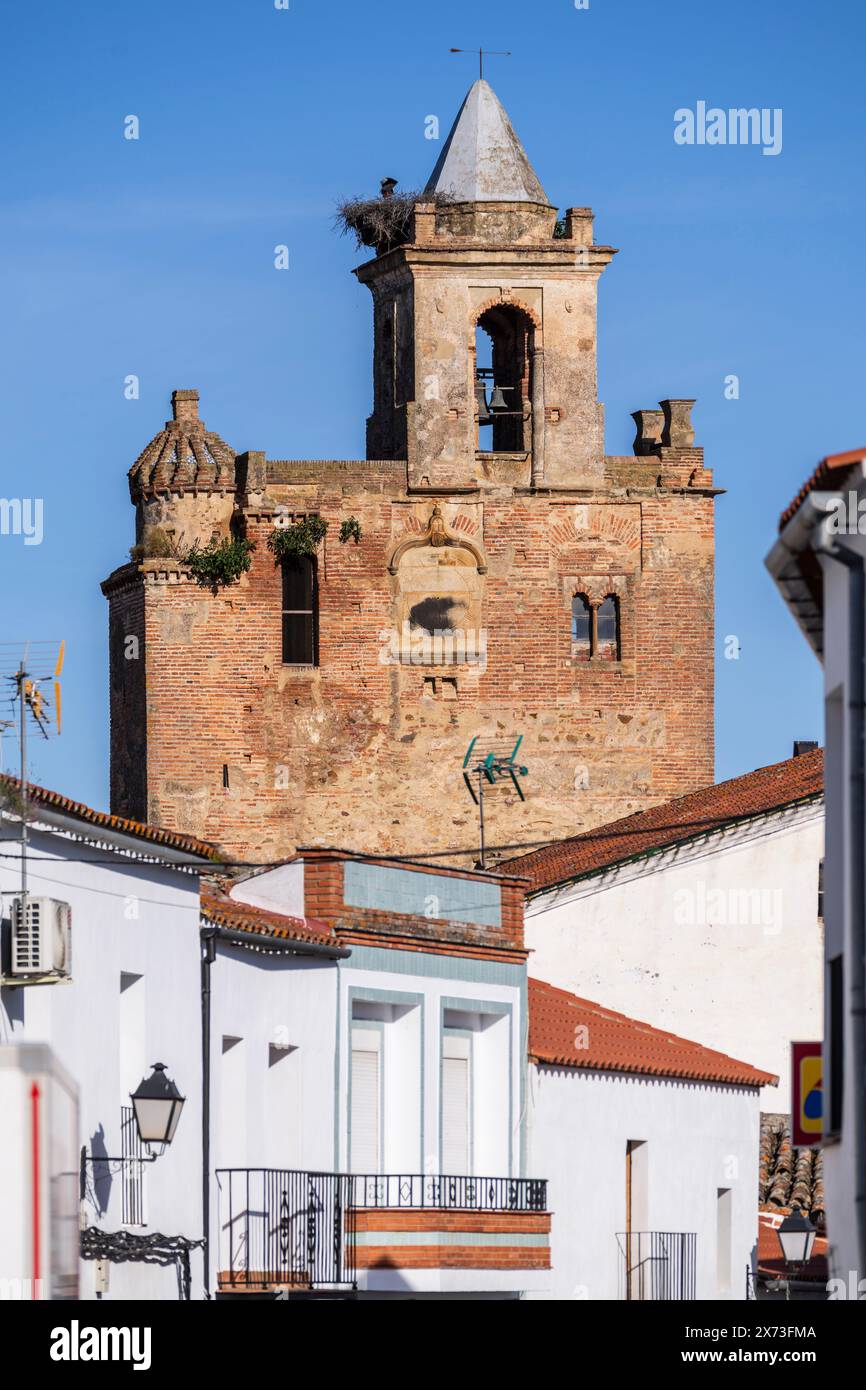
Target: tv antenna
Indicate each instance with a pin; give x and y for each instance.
(482, 54)
(27, 700)
(489, 763)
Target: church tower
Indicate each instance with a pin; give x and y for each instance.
(485, 571)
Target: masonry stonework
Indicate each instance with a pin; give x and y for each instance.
(362, 747)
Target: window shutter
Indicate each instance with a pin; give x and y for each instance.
(365, 1101)
(455, 1107)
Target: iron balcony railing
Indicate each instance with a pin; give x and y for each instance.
(657, 1265)
(285, 1228)
(443, 1191)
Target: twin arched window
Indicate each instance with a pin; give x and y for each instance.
(595, 628)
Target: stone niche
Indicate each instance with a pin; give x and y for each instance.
(438, 591)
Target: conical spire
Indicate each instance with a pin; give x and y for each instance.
(482, 160)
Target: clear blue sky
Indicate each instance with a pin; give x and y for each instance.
(155, 257)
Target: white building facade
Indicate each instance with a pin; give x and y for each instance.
(700, 916)
(651, 1144)
(124, 998)
(818, 565)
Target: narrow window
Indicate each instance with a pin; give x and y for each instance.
(581, 627)
(365, 1118)
(724, 1200)
(608, 629)
(300, 612)
(456, 1092)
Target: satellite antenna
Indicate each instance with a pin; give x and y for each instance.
(17, 666)
(490, 762)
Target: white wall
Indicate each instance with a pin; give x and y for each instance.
(840, 1166)
(128, 918)
(670, 940)
(697, 1139)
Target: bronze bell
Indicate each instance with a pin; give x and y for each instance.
(497, 400)
(481, 402)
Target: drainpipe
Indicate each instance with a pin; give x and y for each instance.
(208, 955)
(854, 563)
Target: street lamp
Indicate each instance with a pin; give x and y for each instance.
(157, 1104)
(796, 1237)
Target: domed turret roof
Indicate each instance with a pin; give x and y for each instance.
(185, 454)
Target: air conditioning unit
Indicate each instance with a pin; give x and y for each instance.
(41, 937)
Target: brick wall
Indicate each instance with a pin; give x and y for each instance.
(364, 754)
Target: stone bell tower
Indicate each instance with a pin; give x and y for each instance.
(486, 570)
(486, 252)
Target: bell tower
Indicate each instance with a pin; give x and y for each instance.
(485, 323)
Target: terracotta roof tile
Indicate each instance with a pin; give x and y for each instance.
(560, 1024)
(672, 822)
(154, 834)
(224, 911)
(787, 1176)
(831, 470)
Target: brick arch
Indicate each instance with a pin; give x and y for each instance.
(495, 301)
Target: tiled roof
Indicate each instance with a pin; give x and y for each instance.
(684, 818)
(153, 834)
(830, 472)
(787, 1176)
(560, 1024)
(224, 911)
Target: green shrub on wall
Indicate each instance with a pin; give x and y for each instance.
(301, 538)
(221, 562)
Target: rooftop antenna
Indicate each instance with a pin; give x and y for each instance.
(489, 763)
(482, 54)
(27, 691)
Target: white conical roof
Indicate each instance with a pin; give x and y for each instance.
(482, 160)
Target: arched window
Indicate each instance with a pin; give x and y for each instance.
(503, 390)
(300, 612)
(581, 627)
(607, 645)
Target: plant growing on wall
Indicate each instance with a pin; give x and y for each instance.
(301, 538)
(350, 530)
(221, 562)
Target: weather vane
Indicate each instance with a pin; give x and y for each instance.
(482, 54)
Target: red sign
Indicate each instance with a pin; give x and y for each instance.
(807, 1095)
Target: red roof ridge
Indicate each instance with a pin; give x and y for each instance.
(57, 801)
(626, 1045)
(226, 911)
(672, 822)
(833, 463)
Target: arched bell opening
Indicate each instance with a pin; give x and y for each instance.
(503, 378)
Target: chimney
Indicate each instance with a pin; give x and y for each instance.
(184, 405)
(678, 432)
(802, 745)
(650, 423)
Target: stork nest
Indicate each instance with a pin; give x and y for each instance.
(383, 223)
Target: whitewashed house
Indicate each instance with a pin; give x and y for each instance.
(650, 1143)
(700, 915)
(390, 1092)
(368, 1071)
(818, 565)
(115, 991)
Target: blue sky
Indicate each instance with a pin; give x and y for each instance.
(155, 257)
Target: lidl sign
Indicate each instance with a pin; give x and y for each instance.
(807, 1095)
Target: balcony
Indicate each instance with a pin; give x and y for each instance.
(657, 1265)
(294, 1232)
